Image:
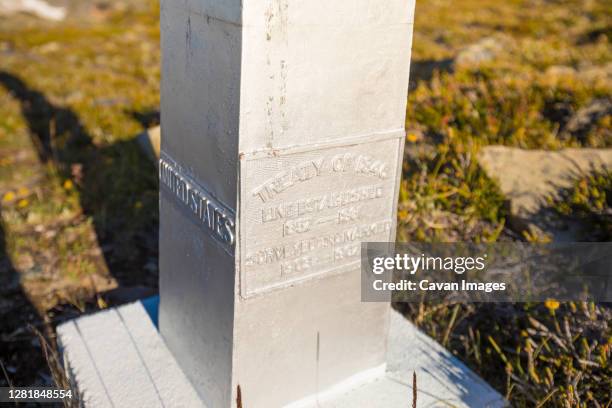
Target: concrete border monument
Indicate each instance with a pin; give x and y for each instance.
(282, 144)
(283, 129)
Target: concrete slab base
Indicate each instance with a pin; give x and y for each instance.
(117, 358)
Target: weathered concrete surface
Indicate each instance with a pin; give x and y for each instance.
(282, 139)
(118, 359)
(528, 177)
(441, 379)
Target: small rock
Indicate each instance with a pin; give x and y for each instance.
(100, 283)
(528, 178)
(149, 141)
(484, 50)
(583, 121)
(39, 8)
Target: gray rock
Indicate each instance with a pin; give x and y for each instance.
(149, 141)
(39, 8)
(483, 51)
(528, 178)
(586, 118)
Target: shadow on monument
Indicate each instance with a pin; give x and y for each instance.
(117, 186)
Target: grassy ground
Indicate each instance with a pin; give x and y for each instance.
(549, 59)
(78, 200)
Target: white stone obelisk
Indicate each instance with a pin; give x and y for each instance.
(283, 131)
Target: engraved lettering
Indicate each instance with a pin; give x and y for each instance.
(298, 226)
(229, 228)
(313, 205)
(302, 264)
(200, 203)
(348, 215)
(359, 164)
(347, 162)
(318, 164)
(272, 255)
(308, 212)
(347, 251)
(286, 179)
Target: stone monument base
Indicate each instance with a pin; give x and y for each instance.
(117, 358)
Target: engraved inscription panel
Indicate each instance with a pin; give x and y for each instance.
(216, 219)
(305, 214)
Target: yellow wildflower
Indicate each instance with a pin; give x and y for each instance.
(412, 137)
(23, 203)
(551, 304)
(68, 184)
(8, 196)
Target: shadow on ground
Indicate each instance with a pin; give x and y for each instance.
(17, 314)
(424, 70)
(117, 183)
(117, 188)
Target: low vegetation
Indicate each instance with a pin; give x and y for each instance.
(78, 200)
(527, 74)
(589, 202)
